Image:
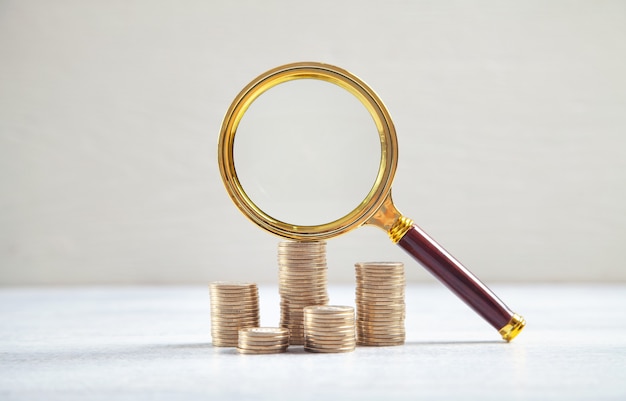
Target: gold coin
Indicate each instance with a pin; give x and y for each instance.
(231, 313)
(231, 284)
(371, 295)
(380, 270)
(397, 299)
(309, 280)
(235, 317)
(381, 329)
(289, 248)
(381, 344)
(381, 309)
(294, 304)
(235, 305)
(302, 265)
(226, 288)
(257, 345)
(260, 352)
(315, 321)
(329, 321)
(382, 286)
(348, 348)
(333, 328)
(264, 341)
(380, 278)
(293, 248)
(329, 351)
(377, 341)
(380, 337)
(309, 286)
(329, 309)
(234, 297)
(329, 342)
(264, 344)
(239, 324)
(310, 339)
(378, 275)
(381, 264)
(303, 261)
(234, 294)
(379, 302)
(377, 292)
(329, 345)
(253, 338)
(266, 331)
(378, 322)
(304, 275)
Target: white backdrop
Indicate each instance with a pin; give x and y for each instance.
(511, 118)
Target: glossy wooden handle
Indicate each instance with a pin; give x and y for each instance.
(456, 277)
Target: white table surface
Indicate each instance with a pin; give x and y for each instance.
(141, 343)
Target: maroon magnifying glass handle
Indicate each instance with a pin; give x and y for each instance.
(462, 282)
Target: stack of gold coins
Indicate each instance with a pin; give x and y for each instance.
(302, 282)
(234, 306)
(380, 303)
(329, 329)
(263, 340)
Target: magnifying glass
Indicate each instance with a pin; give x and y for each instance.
(281, 145)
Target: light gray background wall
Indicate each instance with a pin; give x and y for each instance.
(511, 117)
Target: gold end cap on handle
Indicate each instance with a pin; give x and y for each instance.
(512, 328)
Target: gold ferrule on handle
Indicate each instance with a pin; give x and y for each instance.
(513, 327)
(399, 228)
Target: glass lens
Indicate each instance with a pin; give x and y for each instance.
(307, 152)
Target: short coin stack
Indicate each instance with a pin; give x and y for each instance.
(380, 303)
(302, 282)
(263, 340)
(234, 306)
(329, 329)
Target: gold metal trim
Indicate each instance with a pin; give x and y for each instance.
(401, 226)
(388, 218)
(379, 192)
(513, 327)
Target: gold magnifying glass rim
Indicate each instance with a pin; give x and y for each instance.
(386, 131)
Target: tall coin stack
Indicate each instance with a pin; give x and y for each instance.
(380, 303)
(234, 306)
(302, 282)
(329, 329)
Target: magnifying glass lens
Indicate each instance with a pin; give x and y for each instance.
(307, 152)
